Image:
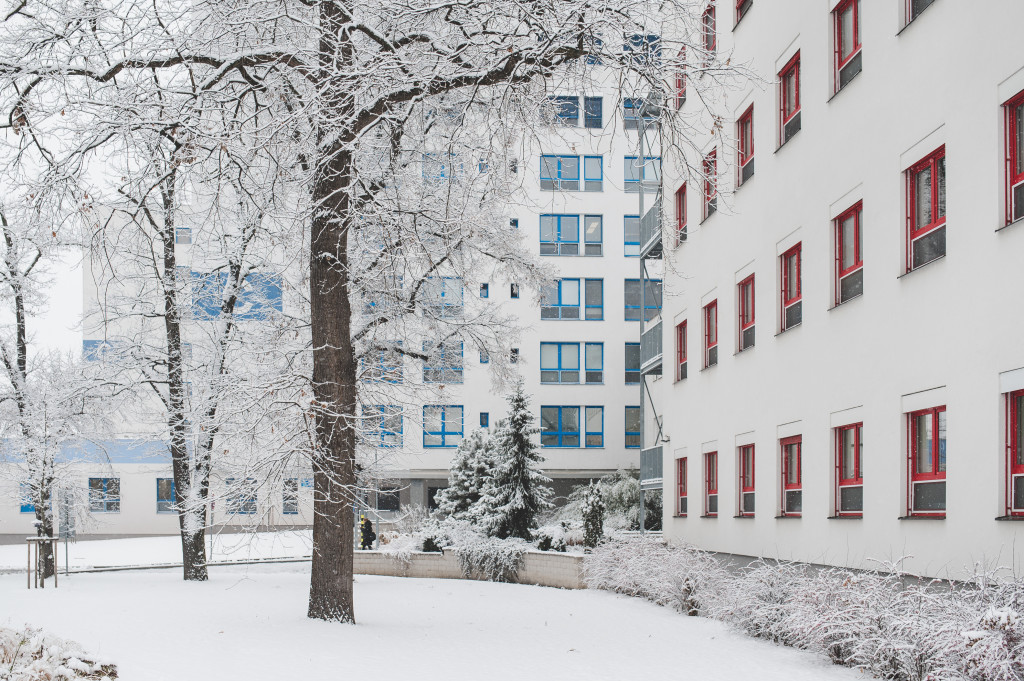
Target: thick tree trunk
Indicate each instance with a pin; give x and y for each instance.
(44, 515)
(334, 368)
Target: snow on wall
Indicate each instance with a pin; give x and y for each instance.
(543, 569)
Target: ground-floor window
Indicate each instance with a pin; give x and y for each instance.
(165, 499)
(681, 486)
(746, 467)
(711, 484)
(792, 484)
(1015, 453)
(849, 470)
(926, 456)
(105, 495)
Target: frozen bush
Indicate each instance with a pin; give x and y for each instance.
(499, 560)
(28, 655)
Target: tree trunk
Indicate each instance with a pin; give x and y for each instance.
(44, 515)
(334, 368)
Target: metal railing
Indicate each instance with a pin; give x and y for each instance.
(650, 230)
(651, 348)
(650, 467)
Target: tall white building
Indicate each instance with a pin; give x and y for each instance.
(842, 330)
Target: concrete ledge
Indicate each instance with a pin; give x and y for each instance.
(561, 570)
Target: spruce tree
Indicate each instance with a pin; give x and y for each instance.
(466, 475)
(517, 490)
(593, 516)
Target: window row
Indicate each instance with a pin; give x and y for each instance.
(561, 172)
(560, 363)
(562, 299)
(560, 234)
(561, 426)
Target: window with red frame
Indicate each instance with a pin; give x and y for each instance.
(710, 36)
(1014, 115)
(792, 485)
(745, 139)
(849, 470)
(789, 100)
(849, 255)
(711, 484)
(1015, 453)
(926, 491)
(711, 334)
(915, 7)
(742, 7)
(681, 214)
(681, 79)
(846, 17)
(746, 480)
(792, 288)
(745, 294)
(681, 351)
(926, 209)
(710, 168)
(681, 486)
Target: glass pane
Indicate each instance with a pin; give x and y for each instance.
(848, 461)
(923, 198)
(592, 168)
(942, 441)
(595, 356)
(792, 464)
(548, 167)
(929, 247)
(632, 293)
(848, 233)
(846, 32)
(631, 168)
(548, 356)
(1018, 124)
(794, 501)
(631, 229)
(549, 295)
(851, 499)
(923, 443)
(941, 188)
(570, 292)
(713, 503)
(595, 419)
(594, 290)
(712, 322)
(1018, 492)
(570, 168)
(930, 496)
(549, 419)
(592, 229)
(748, 502)
(794, 314)
(570, 228)
(453, 420)
(548, 228)
(789, 84)
(570, 419)
(549, 439)
(632, 419)
(570, 356)
(432, 419)
(632, 357)
(1018, 409)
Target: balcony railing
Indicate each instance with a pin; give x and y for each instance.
(650, 231)
(650, 350)
(650, 467)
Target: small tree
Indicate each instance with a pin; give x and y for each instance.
(593, 515)
(517, 490)
(467, 476)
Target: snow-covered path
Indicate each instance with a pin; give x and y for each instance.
(250, 624)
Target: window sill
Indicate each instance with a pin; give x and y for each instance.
(845, 517)
(920, 267)
(934, 516)
(1011, 224)
(789, 328)
(848, 301)
(707, 515)
(748, 516)
(788, 515)
(679, 515)
(746, 349)
(1010, 517)
(710, 366)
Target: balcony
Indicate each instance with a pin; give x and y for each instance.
(650, 350)
(650, 231)
(650, 468)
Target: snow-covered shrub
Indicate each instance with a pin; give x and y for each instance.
(28, 655)
(551, 538)
(761, 600)
(499, 560)
(995, 650)
(401, 547)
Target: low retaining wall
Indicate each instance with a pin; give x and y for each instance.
(562, 570)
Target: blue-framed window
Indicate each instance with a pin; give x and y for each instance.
(560, 426)
(104, 495)
(636, 172)
(25, 498)
(593, 235)
(559, 172)
(241, 496)
(442, 425)
(593, 426)
(94, 350)
(635, 110)
(382, 425)
(442, 297)
(567, 110)
(644, 47)
(632, 363)
(559, 234)
(484, 357)
(513, 223)
(631, 236)
(290, 497)
(632, 427)
(485, 290)
(561, 300)
(383, 364)
(513, 356)
(595, 47)
(593, 299)
(593, 362)
(559, 362)
(438, 167)
(165, 499)
(182, 235)
(593, 173)
(444, 363)
(592, 112)
(513, 291)
(636, 298)
(485, 419)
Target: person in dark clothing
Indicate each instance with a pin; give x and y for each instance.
(366, 534)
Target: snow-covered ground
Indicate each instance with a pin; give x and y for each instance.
(157, 550)
(250, 623)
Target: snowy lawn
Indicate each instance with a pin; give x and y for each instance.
(157, 550)
(250, 623)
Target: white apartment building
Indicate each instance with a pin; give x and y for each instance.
(842, 331)
(579, 355)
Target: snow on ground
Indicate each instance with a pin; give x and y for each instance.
(157, 550)
(250, 623)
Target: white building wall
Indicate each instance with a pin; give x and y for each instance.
(953, 325)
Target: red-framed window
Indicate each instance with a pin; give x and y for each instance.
(710, 169)
(745, 296)
(926, 209)
(792, 482)
(681, 78)
(849, 267)
(792, 287)
(849, 470)
(709, 33)
(681, 214)
(846, 17)
(1015, 453)
(681, 486)
(681, 351)
(711, 484)
(926, 454)
(745, 146)
(1013, 112)
(746, 468)
(915, 7)
(742, 7)
(711, 334)
(789, 99)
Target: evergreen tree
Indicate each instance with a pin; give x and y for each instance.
(593, 515)
(517, 490)
(466, 476)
